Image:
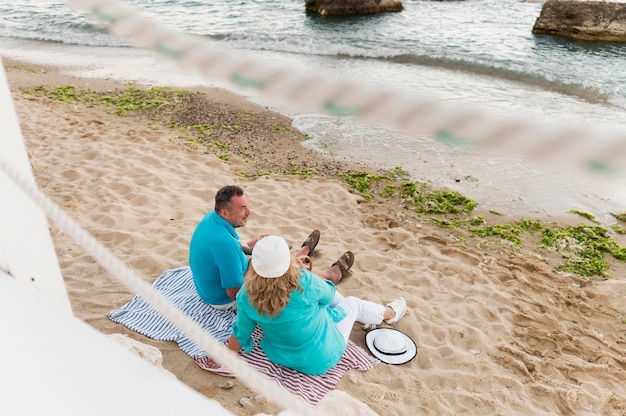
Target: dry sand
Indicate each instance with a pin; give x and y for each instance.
(498, 331)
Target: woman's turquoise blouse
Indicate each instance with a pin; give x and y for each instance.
(303, 336)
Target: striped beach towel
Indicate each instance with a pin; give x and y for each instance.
(177, 285)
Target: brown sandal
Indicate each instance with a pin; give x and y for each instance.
(312, 241)
(348, 259)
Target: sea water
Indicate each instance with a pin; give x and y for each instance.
(480, 54)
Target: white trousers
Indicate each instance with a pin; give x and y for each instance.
(358, 310)
(232, 306)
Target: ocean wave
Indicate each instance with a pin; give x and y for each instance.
(68, 38)
(579, 87)
(61, 28)
(488, 38)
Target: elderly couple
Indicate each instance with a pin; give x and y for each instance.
(305, 321)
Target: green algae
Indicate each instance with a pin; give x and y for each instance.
(618, 228)
(583, 248)
(620, 217)
(584, 214)
(123, 101)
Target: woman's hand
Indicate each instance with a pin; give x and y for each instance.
(305, 262)
(232, 344)
(211, 363)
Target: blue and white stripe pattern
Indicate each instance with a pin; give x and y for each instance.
(177, 285)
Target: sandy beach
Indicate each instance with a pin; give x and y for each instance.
(498, 331)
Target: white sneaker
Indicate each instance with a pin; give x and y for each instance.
(399, 306)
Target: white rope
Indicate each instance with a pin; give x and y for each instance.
(313, 91)
(243, 371)
(592, 150)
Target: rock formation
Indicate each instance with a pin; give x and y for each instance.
(589, 20)
(347, 7)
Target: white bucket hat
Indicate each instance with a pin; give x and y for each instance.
(390, 345)
(271, 257)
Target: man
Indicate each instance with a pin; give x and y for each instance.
(217, 259)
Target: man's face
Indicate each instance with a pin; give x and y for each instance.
(237, 215)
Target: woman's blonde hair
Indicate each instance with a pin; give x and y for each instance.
(270, 296)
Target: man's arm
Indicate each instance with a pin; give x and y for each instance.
(232, 292)
(247, 247)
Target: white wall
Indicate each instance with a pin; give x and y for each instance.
(26, 250)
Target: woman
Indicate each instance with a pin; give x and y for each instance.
(305, 321)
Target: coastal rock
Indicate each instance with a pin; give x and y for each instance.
(347, 7)
(588, 20)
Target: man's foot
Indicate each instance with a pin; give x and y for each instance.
(311, 243)
(344, 264)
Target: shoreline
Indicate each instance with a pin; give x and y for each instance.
(291, 143)
(137, 189)
(539, 191)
